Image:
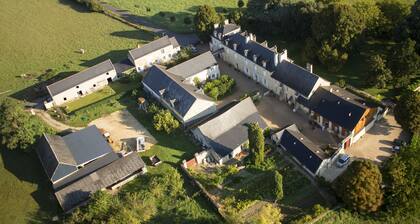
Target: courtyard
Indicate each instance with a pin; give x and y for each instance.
(124, 127)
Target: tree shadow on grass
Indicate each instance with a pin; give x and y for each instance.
(115, 56)
(27, 168)
(141, 36)
(79, 7)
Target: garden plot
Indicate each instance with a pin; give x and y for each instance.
(245, 191)
(123, 127)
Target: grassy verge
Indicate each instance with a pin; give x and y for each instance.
(160, 12)
(49, 34)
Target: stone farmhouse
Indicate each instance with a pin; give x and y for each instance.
(81, 83)
(82, 163)
(158, 51)
(225, 135)
(186, 102)
(201, 68)
(337, 110)
(305, 152)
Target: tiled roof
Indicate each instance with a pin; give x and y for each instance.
(337, 105)
(80, 190)
(80, 77)
(153, 46)
(295, 77)
(171, 88)
(194, 65)
(304, 150)
(227, 131)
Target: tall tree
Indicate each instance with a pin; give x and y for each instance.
(405, 62)
(256, 144)
(278, 191)
(18, 128)
(204, 21)
(413, 24)
(393, 13)
(407, 110)
(402, 179)
(360, 186)
(379, 74)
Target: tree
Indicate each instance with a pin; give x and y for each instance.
(393, 13)
(256, 144)
(407, 111)
(18, 128)
(379, 74)
(278, 191)
(163, 120)
(405, 62)
(204, 21)
(402, 180)
(360, 186)
(235, 16)
(411, 27)
(241, 3)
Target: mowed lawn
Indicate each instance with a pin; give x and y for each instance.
(47, 34)
(160, 12)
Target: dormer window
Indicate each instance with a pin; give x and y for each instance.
(246, 52)
(235, 46)
(255, 57)
(264, 64)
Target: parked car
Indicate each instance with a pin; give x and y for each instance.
(343, 160)
(397, 144)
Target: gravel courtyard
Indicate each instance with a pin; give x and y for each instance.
(123, 127)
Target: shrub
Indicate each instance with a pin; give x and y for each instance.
(162, 14)
(172, 18)
(165, 121)
(153, 108)
(220, 87)
(187, 20)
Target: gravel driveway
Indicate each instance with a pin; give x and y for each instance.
(123, 127)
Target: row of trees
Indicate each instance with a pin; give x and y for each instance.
(18, 128)
(394, 190)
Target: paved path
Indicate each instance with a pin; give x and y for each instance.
(183, 39)
(52, 122)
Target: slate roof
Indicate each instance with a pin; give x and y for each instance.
(227, 28)
(337, 105)
(153, 46)
(304, 150)
(80, 77)
(171, 88)
(61, 156)
(80, 190)
(194, 65)
(295, 77)
(227, 131)
(263, 53)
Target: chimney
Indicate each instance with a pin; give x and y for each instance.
(274, 48)
(235, 46)
(283, 55)
(247, 37)
(255, 57)
(226, 21)
(264, 43)
(246, 52)
(309, 67)
(253, 37)
(264, 63)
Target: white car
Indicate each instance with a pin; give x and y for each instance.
(343, 160)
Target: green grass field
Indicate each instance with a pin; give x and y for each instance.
(152, 10)
(42, 34)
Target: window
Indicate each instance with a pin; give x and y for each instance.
(77, 87)
(163, 51)
(107, 73)
(65, 98)
(94, 85)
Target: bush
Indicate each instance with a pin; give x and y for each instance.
(162, 14)
(187, 20)
(220, 87)
(165, 121)
(172, 18)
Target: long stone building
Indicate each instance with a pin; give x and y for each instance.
(332, 108)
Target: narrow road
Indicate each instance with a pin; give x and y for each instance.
(52, 122)
(183, 39)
